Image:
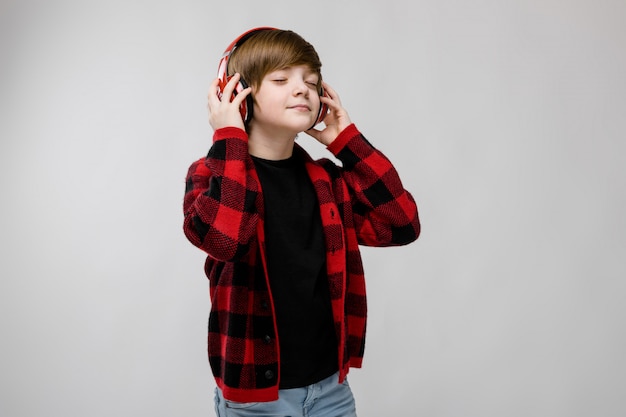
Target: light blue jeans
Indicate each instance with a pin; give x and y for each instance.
(326, 398)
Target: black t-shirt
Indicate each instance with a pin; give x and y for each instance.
(296, 262)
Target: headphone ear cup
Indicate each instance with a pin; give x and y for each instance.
(247, 106)
(323, 108)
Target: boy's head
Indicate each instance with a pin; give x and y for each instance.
(260, 51)
(267, 50)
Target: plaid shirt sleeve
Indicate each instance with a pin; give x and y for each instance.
(220, 203)
(384, 213)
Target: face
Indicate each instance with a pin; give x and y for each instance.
(287, 99)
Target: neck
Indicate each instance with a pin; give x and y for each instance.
(270, 146)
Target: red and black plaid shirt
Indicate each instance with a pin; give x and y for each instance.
(362, 202)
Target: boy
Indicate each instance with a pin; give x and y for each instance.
(288, 307)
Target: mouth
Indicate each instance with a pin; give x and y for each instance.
(300, 107)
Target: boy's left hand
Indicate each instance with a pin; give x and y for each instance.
(336, 120)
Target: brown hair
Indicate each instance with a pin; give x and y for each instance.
(270, 50)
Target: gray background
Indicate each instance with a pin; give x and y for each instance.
(505, 119)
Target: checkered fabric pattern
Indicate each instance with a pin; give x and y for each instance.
(363, 202)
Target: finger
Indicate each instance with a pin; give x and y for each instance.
(331, 97)
(214, 84)
(212, 96)
(329, 90)
(229, 89)
(241, 96)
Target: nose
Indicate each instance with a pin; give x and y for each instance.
(300, 87)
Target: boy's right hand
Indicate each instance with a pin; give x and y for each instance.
(223, 112)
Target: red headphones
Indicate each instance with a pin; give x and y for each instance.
(247, 105)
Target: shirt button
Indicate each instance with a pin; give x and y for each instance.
(264, 305)
(269, 374)
(267, 339)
